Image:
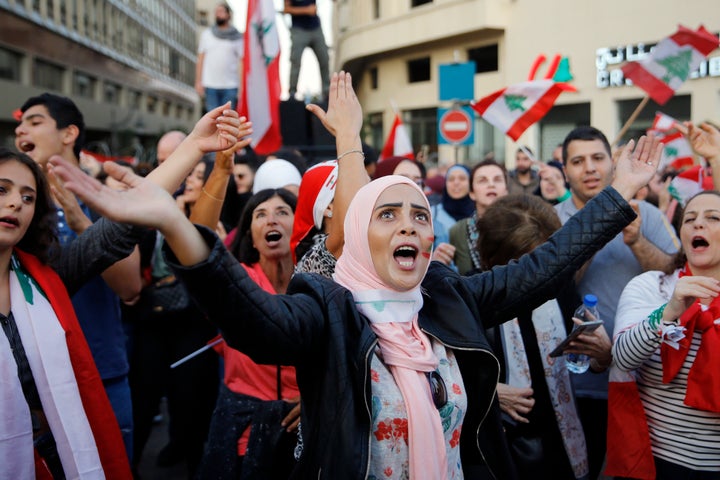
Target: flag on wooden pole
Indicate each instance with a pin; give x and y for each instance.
(671, 62)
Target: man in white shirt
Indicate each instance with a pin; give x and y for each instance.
(218, 73)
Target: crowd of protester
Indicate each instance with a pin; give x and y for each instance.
(389, 320)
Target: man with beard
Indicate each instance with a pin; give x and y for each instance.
(648, 243)
(523, 179)
(218, 73)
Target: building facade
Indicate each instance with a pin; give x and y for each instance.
(128, 64)
(394, 50)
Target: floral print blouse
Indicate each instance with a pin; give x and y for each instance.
(389, 455)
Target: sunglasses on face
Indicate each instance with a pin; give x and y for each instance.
(437, 389)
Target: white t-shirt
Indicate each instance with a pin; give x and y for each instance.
(222, 59)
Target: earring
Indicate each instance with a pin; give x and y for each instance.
(328, 215)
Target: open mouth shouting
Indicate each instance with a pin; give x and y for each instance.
(699, 243)
(273, 237)
(405, 256)
(9, 221)
(26, 147)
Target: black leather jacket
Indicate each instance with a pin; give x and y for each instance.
(317, 328)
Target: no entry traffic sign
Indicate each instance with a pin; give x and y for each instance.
(455, 126)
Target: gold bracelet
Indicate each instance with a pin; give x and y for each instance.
(212, 196)
(351, 151)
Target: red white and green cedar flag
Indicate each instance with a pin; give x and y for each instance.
(398, 143)
(260, 101)
(663, 123)
(513, 109)
(677, 152)
(671, 62)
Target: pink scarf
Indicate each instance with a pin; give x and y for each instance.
(393, 317)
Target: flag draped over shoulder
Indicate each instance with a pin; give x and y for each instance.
(671, 62)
(261, 76)
(513, 109)
(398, 143)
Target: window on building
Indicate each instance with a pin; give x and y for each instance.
(485, 58)
(83, 85)
(111, 93)
(376, 9)
(422, 124)
(9, 64)
(47, 75)
(134, 99)
(151, 104)
(373, 72)
(374, 130)
(166, 108)
(559, 121)
(489, 144)
(418, 70)
(417, 3)
(202, 18)
(174, 67)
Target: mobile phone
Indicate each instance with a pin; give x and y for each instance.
(579, 329)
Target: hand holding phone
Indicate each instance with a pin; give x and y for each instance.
(586, 327)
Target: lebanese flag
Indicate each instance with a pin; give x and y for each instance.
(671, 62)
(515, 108)
(260, 100)
(398, 143)
(628, 452)
(677, 152)
(689, 182)
(663, 123)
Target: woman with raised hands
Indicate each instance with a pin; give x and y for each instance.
(55, 418)
(327, 188)
(395, 382)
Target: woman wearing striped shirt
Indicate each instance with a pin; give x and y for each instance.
(668, 337)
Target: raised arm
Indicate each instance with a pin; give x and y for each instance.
(705, 141)
(285, 327)
(123, 277)
(536, 277)
(100, 246)
(208, 207)
(216, 130)
(343, 120)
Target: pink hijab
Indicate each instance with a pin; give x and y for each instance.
(393, 317)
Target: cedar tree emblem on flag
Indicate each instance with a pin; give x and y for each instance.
(671, 62)
(515, 108)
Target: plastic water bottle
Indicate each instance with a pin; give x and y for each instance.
(587, 312)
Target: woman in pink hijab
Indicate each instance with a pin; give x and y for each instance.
(392, 362)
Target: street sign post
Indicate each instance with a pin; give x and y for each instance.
(455, 126)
